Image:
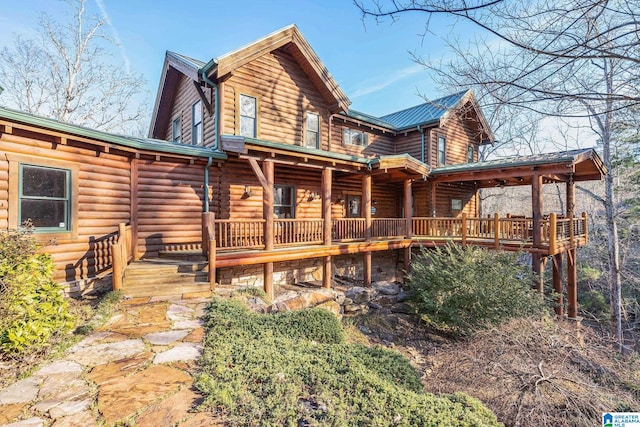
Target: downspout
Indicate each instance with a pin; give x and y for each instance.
(216, 113)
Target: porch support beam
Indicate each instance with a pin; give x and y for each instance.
(558, 284)
(256, 169)
(536, 207)
(366, 202)
(326, 232)
(408, 203)
(267, 211)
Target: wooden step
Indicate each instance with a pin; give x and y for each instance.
(163, 277)
(183, 255)
(164, 290)
(157, 266)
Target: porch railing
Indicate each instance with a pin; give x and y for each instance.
(121, 254)
(496, 231)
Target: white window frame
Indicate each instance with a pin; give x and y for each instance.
(242, 117)
(348, 137)
(442, 151)
(197, 134)
(176, 129)
(314, 141)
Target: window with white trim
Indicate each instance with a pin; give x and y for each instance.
(45, 198)
(196, 123)
(248, 116)
(284, 201)
(312, 130)
(470, 154)
(442, 151)
(176, 130)
(355, 137)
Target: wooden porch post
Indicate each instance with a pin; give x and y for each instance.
(267, 211)
(366, 202)
(558, 284)
(408, 203)
(572, 253)
(536, 206)
(327, 226)
(134, 209)
(433, 199)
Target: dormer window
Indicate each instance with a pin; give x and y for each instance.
(248, 116)
(355, 137)
(312, 130)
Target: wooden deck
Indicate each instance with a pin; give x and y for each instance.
(241, 242)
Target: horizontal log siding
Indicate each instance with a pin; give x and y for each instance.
(411, 143)
(379, 143)
(4, 194)
(170, 199)
(185, 96)
(284, 94)
(459, 134)
(447, 191)
(103, 195)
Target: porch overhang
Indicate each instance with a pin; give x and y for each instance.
(565, 166)
(290, 154)
(398, 168)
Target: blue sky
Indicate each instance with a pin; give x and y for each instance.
(370, 61)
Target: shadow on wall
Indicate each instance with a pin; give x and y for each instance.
(96, 260)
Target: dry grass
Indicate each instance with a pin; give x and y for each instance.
(537, 373)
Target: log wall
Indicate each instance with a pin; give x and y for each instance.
(170, 205)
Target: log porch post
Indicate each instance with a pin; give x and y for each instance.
(134, 209)
(408, 203)
(536, 207)
(327, 225)
(267, 211)
(558, 284)
(572, 253)
(366, 202)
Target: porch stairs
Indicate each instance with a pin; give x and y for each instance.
(171, 274)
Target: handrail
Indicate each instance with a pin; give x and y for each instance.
(121, 254)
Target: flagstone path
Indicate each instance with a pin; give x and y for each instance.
(138, 369)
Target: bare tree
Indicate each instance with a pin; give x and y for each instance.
(68, 73)
(572, 59)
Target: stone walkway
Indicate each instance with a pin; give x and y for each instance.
(138, 369)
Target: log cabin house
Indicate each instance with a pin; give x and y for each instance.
(256, 159)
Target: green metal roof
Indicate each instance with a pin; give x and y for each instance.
(518, 161)
(191, 62)
(148, 144)
(424, 114)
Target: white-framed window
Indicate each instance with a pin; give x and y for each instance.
(355, 137)
(44, 197)
(196, 123)
(312, 130)
(442, 151)
(176, 130)
(284, 201)
(470, 154)
(248, 116)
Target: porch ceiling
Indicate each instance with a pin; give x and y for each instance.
(579, 165)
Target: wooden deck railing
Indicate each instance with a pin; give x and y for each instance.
(239, 233)
(297, 231)
(121, 254)
(388, 227)
(348, 229)
(495, 231)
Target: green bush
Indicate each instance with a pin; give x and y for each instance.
(294, 368)
(462, 289)
(33, 308)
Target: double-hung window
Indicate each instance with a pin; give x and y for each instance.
(45, 197)
(470, 154)
(312, 130)
(355, 137)
(176, 130)
(284, 201)
(248, 116)
(196, 123)
(442, 151)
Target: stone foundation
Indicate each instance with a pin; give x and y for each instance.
(385, 266)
